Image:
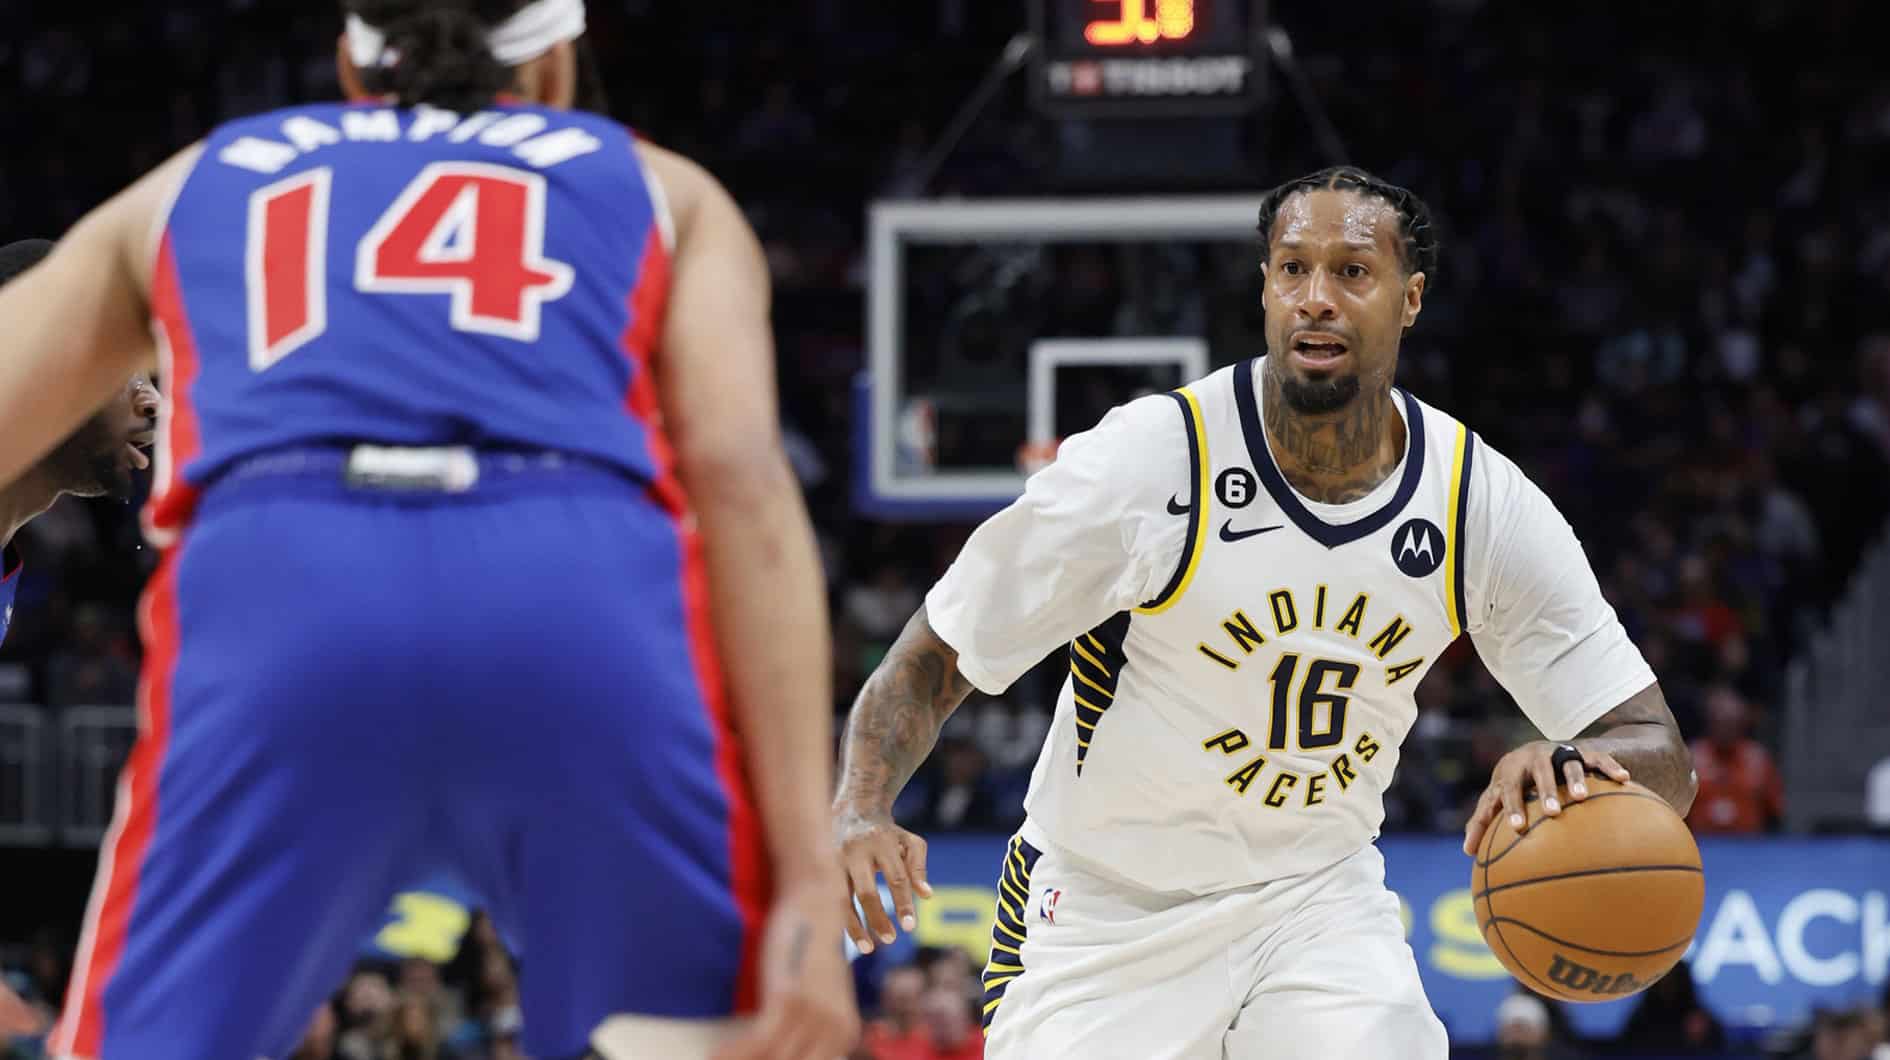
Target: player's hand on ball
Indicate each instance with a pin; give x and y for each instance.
(1533, 766)
(807, 1007)
(871, 846)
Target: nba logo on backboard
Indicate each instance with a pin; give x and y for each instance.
(1047, 905)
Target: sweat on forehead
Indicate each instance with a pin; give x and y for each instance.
(1362, 221)
(1366, 201)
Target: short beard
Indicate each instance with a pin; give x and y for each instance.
(88, 464)
(1317, 397)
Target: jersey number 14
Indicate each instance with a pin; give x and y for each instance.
(471, 230)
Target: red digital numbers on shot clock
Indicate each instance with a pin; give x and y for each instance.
(1136, 23)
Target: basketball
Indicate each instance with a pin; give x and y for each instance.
(1595, 904)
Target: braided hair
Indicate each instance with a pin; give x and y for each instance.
(440, 50)
(1417, 250)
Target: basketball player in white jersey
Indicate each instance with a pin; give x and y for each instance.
(1250, 577)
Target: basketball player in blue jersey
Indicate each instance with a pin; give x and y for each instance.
(97, 460)
(479, 548)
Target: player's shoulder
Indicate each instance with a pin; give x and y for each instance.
(1457, 442)
(1152, 419)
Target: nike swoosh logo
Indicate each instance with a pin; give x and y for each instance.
(1230, 535)
(1175, 507)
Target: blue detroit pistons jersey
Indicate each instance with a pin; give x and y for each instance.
(344, 273)
(9, 584)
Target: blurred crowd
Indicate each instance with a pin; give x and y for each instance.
(922, 1011)
(466, 1008)
(1664, 291)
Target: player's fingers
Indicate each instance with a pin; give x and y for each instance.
(1577, 779)
(1542, 774)
(915, 864)
(1607, 763)
(855, 929)
(1509, 791)
(1480, 819)
(866, 900)
(892, 866)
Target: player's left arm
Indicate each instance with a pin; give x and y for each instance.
(78, 323)
(1541, 624)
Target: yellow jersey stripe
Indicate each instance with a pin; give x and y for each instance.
(1094, 643)
(1083, 677)
(1092, 660)
(1081, 702)
(1081, 724)
(1010, 888)
(1452, 547)
(1198, 514)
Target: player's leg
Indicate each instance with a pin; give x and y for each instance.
(259, 819)
(1336, 978)
(1081, 966)
(632, 857)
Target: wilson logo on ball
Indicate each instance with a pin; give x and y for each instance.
(1585, 980)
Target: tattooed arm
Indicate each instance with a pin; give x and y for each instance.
(1642, 736)
(1094, 534)
(1638, 739)
(894, 724)
(897, 717)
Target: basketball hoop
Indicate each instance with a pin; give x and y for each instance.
(1033, 457)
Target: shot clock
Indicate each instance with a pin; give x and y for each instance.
(1132, 58)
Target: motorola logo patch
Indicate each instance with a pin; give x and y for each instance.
(1418, 547)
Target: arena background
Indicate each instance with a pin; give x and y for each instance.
(1664, 290)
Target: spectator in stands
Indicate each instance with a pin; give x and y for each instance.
(92, 667)
(368, 1003)
(881, 607)
(1703, 617)
(1523, 1030)
(1740, 787)
(416, 1029)
(1877, 808)
(1848, 1034)
(1670, 1018)
(319, 1041)
(898, 1031)
(959, 799)
(951, 1030)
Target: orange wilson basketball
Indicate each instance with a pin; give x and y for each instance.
(1595, 904)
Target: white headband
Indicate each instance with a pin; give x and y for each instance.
(532, 31)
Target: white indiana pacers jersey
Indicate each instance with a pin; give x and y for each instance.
(1242, 661)
(1244, 723)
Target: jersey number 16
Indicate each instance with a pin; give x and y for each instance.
(472, 230)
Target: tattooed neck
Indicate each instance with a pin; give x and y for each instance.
(1337, 458)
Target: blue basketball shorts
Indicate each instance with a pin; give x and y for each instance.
(349, 681)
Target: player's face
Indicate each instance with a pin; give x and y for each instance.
(97, 459)
(1337, 297)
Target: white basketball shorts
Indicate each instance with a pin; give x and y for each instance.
(1083, 965)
